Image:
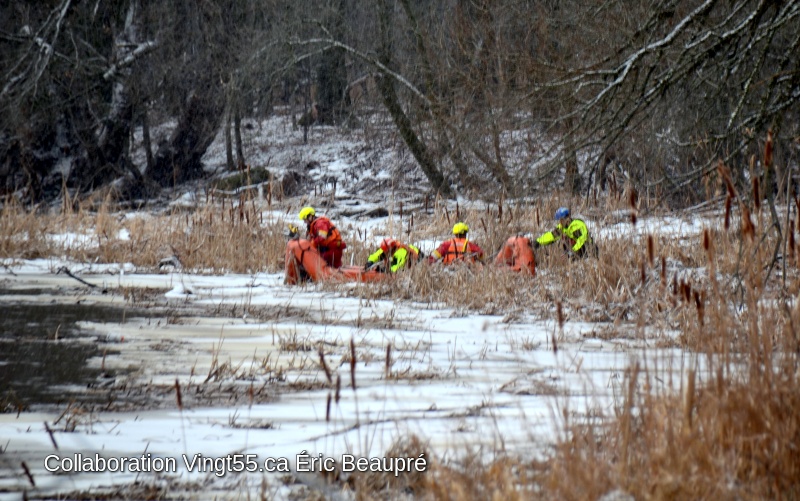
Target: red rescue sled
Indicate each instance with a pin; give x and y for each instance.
(303, 263)
(517, 255)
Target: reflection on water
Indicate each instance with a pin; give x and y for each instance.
(34, 365)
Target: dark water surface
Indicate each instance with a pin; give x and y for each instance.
(33, 363)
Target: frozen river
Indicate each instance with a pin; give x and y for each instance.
(227, 365)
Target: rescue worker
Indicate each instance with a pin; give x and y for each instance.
(573, 234)
(458, 248)
(324, 236)
(393, 255)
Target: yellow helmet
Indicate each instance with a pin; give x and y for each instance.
(460, 228)
(307, 211)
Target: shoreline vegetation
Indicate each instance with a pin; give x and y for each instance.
(726, 294)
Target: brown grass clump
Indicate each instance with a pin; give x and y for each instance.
(732, 439)
(731, 432)
(376, 485)
(221, 236)
(503, 479)
(23, 234)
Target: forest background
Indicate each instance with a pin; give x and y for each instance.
(512, 97)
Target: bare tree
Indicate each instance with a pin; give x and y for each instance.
(711, 72)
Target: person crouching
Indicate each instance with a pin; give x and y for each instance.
(324, 236)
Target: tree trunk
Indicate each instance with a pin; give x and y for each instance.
(107, 157)
(401, 120)
(178, 160)
(572, 178)
(498, 169)
(452, 151)
(229, 165)
(332, 74)
(146, 142)
(237, 129)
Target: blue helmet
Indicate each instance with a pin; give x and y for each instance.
(562, 213)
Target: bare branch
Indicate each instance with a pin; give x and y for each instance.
(129, 59)
(330, 43)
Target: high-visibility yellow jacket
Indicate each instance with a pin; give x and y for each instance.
(400, 254)
(575, 235)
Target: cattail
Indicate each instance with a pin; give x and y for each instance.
(325, 366)
(643, 272)
(338, 388)
(675, 285)
(353, 364)
(633, 198)
(328, 408)
(768, 150)
(725, 173)
(748, 228)
(388, 360)
(500, 208)
(178, 394)
(52, 437)
(447, 214)
(728, 200)
(483, 223)
(28, 474)
(797, 258)
(686, 288)
(650, 249)
(664, 270)
(458, 212)
(555, 343)
(756, 194)
(560, 315)
(797, 204)
(538, 221)
(791, 238)
(700, 304)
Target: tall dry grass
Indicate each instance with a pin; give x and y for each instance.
(236, 235)
(732, 429)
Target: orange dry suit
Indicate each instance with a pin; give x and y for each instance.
(458, 249)
(324, 235)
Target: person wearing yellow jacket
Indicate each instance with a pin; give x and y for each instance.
(393, 255)
(573, 234)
